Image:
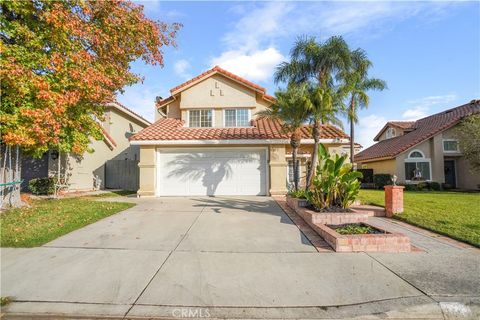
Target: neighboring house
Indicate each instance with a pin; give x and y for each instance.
(104, 163)
(423, 150)
(207, 140)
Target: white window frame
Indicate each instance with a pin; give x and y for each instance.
(450, 151)
(188, 117)
(290, 183)
(249, 117)
(389, 130)
(422, 159)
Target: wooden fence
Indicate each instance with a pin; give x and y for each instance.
(122, 174)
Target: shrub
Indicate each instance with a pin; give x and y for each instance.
(422, 186)
(435, 186)
(300, 194)
(334, 184)
(381, 180)
(410, 187)
(42, 186)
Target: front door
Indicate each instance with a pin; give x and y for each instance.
(449, 169)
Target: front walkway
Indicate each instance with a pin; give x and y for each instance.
(231, 257)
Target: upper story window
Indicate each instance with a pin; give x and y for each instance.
(237, 118)
(200, 118)
(391, 132)
(450, 145)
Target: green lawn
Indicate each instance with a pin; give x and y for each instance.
(48, 219)
(455, 214)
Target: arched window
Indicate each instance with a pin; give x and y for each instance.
(391, 132)
(416, 154)
(417, 167)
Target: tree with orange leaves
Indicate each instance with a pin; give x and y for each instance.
(61, 61)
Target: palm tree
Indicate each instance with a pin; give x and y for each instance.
(325, 104)
(291, 109)
(319, 64)
(356, 85)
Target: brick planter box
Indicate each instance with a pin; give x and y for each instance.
(318, 221)
(388, 242)
(310, 216)
(296, 203)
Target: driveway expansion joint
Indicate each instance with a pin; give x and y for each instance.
(163, 263)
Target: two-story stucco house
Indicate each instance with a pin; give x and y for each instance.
(423, 150)
(118, 125)
(207, 140)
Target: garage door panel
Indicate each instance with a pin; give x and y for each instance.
(212, 172)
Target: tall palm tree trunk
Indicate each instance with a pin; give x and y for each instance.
(352, 129)
(295, 143)
(352, 142)
(314, 159)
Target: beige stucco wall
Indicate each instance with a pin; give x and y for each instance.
(83, 169)
(383, 166)
(278, 169)
(466, 177)
(148, 174)
(219, 93)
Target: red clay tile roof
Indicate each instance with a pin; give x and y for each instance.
(423, 129)
(221, 71)
(172, 129)
(404, 125)
(164, 101)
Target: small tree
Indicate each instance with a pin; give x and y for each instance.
(291, 109)
(468, 135)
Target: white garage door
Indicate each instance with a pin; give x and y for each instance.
(220, 171)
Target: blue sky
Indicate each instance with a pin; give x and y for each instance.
(427, 52)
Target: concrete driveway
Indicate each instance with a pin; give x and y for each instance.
(231, 257)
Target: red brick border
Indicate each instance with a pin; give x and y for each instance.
(317, 241)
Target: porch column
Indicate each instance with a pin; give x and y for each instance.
(278, 170)
(148, 174)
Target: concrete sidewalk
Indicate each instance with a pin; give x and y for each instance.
(232, 258)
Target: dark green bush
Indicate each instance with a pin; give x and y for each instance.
(381, 180)
(43, 186)
(435, 186)
(421, 186)
(410, 187)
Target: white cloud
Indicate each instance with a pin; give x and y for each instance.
(256, 65)
(141, 99)
(421, 107)
(367, 129)
(180, 67)
(252, 39)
